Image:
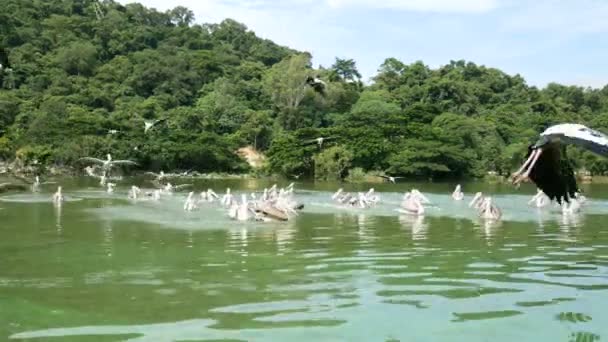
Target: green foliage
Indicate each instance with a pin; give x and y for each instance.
(332, 163)
(69, 77)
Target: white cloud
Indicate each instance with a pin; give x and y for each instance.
(458, 6)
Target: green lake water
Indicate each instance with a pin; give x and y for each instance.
(105, 268)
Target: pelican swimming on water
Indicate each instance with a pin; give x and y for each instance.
(190, 203)
(457, 195)
(539, 200)
(477, 200)
(110, 187)
(547, 165)
(489, 211)
(58, 196)
(411, 205)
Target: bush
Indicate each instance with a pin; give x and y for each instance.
(332, 163)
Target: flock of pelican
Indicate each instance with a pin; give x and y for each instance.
(274, 203)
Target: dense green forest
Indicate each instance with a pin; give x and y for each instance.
(79, 77)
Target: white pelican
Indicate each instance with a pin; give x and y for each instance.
(457, 195)
(411, 205)
(228, 199)
(242, 212)
(156, 195)
(110, 188)
(108, 163)
(477, 200)
(391, 179)
(488, 210)
(149, 124)
(420, 196)
(134, 192)
(319, 141)
(190, 203)
(539, 200)
(58, 196)
(546, 164)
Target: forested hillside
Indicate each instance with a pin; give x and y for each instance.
(79, 78)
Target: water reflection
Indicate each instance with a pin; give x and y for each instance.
(416, 224)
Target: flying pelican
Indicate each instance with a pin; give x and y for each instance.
(149, 124)
(457, 194)
(547, 165)
(58, 196)
(108, 163)
(390, 178)
(319, 141)
(113, 131)
(317, 84)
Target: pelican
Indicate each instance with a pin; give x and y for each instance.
(319, 141)
(547, 165)
(110, 188)
(149, 124)
(539, 200)
(134, 192)
(108, 163)
(411, 205)
(228, 199)
(391, 179)
(58, 196)
(113, 131)
(190, 204)
(242, 212)
(477, 200)
(337, 194)
(317, 84)
(156, 195)
(420, 196)
(488, 210)
(457, 195)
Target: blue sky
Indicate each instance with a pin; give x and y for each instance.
(545, 41)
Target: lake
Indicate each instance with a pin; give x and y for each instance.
(105, 268)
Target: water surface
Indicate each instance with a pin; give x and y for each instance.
(105, 268)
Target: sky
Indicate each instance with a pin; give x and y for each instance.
(545, 41)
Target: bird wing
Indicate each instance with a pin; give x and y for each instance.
(182, 186)
(581, 136)
(153, 174)
(553, 173)
(94, 160)
(123, 162)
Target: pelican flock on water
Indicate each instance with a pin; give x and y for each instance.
(546, 165)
